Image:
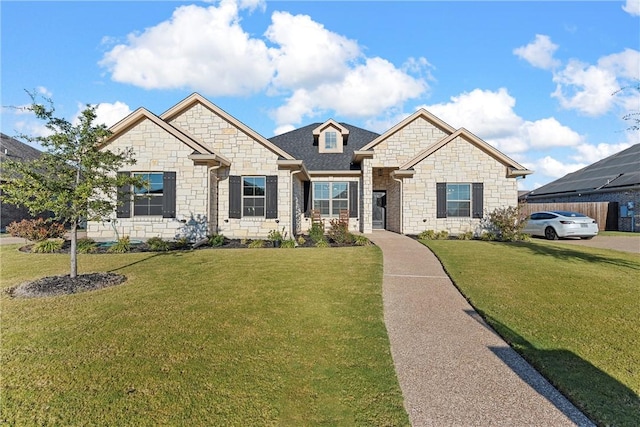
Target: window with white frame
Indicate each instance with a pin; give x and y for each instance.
(458, 200)
(253, 195)
(330, 140)
(148, 200)
(330, 197)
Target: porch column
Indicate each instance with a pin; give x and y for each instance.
(366, 210)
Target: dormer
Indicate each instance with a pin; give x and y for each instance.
(331, 136)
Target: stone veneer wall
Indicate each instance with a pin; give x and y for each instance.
(248, 157)
(158, 151)
(457, 162)
(406, 143)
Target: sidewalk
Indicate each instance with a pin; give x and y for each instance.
(452, 368)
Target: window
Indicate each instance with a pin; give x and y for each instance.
(149, 200)
(330, 197)
(253, 195)
(459, 200)
(330, 140)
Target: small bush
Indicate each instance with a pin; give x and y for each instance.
(156, 244)
(256, 244)
(339, 232)
(275, 235)
(36, 229)
(182, 243)
(316, 232)
(86, 245)
(322, 243)
(465, 236)
(361, 240)
(301, 241)
(216, 240)
(505, 224)
(433, 235)
(48, 246)
(123, 245)
(288, 243)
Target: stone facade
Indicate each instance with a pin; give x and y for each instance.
(205, 146)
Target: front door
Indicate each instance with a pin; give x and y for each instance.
(379, 211)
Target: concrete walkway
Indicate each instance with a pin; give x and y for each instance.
(452, 368)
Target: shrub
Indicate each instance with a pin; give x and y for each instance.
(339, 232)
(322, 243)
(505, 224)
(216, 240)
(316, 232)
(122, 246)
(256, 244)
(182, 243)
(433, 235)
(36, 229)
(361, 240)
(301, 241)
(275, 235)
(465, 236)
(86, 245)
(156, 244)
(48, 246)
(288, 243)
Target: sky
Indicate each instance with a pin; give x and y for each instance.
(546, 82)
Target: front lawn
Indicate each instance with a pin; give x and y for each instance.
(573, 312)
(211, 337)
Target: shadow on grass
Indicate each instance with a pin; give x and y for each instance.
(603, 398)
(140, 261)
(567, 253)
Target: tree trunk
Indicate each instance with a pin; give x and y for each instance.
(74, 249)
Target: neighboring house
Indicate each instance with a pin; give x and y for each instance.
(12, 149)
(615, 179)
(213, 174)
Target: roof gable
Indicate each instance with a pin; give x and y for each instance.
(331, 123)
(420, 114)
(513, 167)
(195, 98)
(143, 114)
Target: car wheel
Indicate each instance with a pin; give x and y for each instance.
(550, 233)
(587, 238)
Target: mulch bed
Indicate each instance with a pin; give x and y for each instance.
(65, 285)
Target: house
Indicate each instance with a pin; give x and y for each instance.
(210, 173)
(12, 149)
(615, 179)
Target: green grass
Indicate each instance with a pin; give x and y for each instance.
(573, 312)
(210, 337)
(619, 234)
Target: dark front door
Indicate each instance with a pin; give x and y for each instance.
(379, 213)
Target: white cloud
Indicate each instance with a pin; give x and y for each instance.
(586, 88)
(297, 60)
(106, 113)
(539, 53)
(588, 153)
(204, 49)
(632, 7)
(364, 91)
(546, 133)
(553, 168)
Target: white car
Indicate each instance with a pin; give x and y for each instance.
(555, 224)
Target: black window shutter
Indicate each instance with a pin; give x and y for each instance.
(441, 200)
(477, 194)
(307, 198)
(271, 196)
(235, 197)
(353, 199)
(169, 195)
(124, 199)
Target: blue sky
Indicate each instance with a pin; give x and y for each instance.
(533, 78)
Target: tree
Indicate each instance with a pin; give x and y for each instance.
(73, 179)
(634, 116)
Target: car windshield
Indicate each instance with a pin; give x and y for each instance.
(569, 214)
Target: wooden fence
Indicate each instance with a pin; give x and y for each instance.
(606, 213)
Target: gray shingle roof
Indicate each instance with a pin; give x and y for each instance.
(301, 144)
(11, 148)
(621, 170)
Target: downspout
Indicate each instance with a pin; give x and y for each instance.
(291, 201)
(209, 170)
(398, 180)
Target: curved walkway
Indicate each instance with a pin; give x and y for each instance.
(452, 368)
